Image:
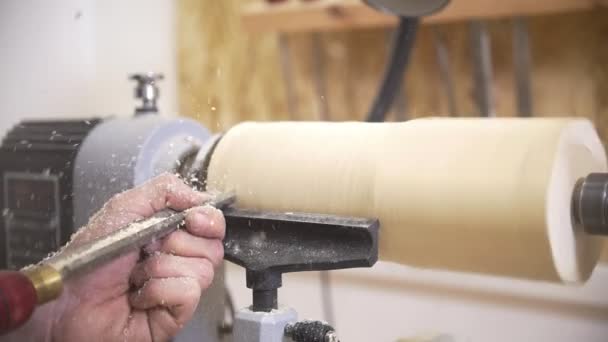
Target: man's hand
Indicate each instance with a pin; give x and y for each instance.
(146, 295)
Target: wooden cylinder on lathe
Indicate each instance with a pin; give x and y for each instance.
(488, 196)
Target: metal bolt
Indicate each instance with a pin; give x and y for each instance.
(147, 90)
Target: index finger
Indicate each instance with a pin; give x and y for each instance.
(143, 201)
(164, 191)
(206, 222)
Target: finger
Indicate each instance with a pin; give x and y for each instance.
(109, 218)
(185, 244)
(207, 222)
(161, 265)
(152, 247)
(172, 192)
(163, 325)
(178, 296)
(164, 191)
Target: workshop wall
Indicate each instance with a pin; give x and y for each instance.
(227, 75)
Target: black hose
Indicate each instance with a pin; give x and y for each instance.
(403, 42)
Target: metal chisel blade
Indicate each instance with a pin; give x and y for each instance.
(128, 238)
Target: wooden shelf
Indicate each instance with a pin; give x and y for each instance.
(330, 15)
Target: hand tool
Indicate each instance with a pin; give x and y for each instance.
(286, 68)
(287, 74)
(482, 65)
(521, 64)
(445, 70)
(319, 74)
(21, 291)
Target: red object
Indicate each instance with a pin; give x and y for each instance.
(17, 300)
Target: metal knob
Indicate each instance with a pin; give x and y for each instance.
(590, 203)
(147, 91)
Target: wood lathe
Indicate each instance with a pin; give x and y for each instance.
(509, 197)
(530, 203)
(520, 198)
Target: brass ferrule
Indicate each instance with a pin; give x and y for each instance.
(46, 280)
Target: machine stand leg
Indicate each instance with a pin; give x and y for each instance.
(259, 326)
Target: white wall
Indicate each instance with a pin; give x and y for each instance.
(70, 58)
(133, 36)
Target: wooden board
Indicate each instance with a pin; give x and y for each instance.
(326, 15)
(227, 75)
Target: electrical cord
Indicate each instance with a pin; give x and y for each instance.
(403, 43)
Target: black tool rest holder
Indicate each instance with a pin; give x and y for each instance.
(269, 244)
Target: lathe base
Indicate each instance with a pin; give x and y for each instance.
(251, 326)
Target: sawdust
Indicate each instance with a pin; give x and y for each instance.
(67, 259)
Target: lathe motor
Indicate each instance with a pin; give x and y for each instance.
(56, 174)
